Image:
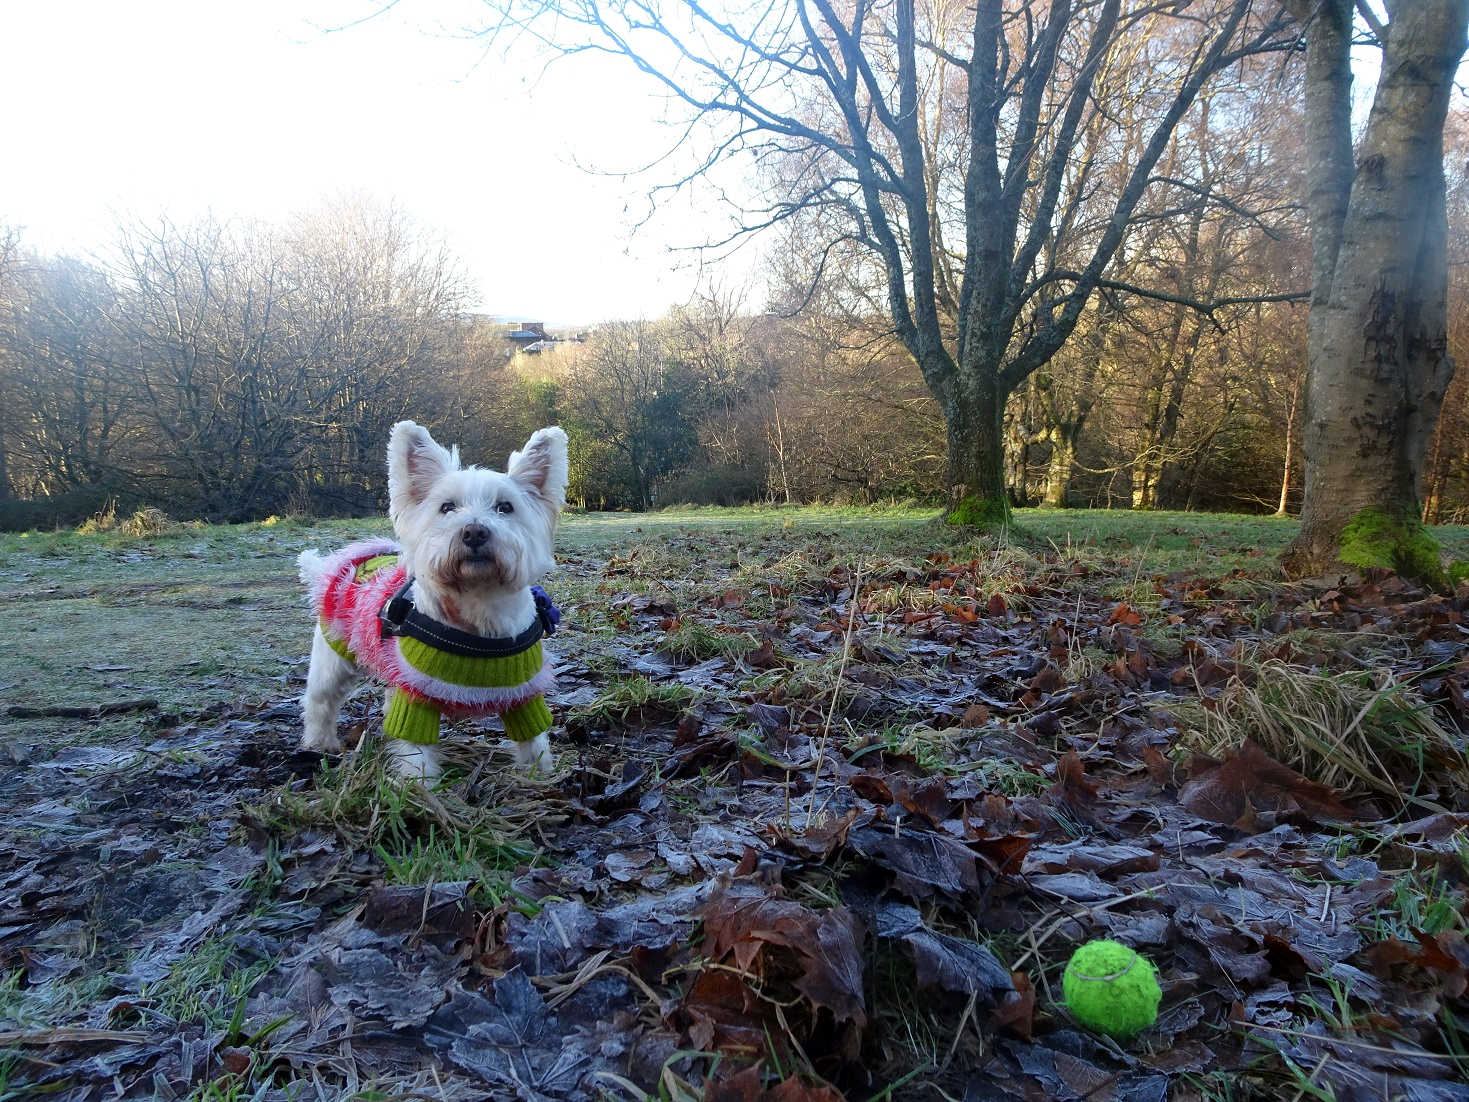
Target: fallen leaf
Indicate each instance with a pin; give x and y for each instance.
(1016, 1011)
(1250, 779)
(746, 923)
(940, 960)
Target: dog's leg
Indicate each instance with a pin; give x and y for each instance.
(328, 682)
(409, 761)
(412, 761)
(534, 755)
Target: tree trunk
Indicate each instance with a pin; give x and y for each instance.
(5, 488)
(1058, 474)
(780, 451)
(975, 423)
(1019, 439)
(1145, 474)
(1378, 361)
(1290, 437)
(1432, 501)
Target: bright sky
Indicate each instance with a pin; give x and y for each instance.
(135, 108)
(249, 107)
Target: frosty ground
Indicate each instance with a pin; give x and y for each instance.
(839, 790)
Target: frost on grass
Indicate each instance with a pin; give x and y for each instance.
(837, 795)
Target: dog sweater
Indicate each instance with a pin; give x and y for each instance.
(426, 682)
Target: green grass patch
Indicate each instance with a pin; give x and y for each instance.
(694, 641)
(487, 863)
(49, 1005)
(1423, 900)
(419, 835)
(206, 986)
(632, 701)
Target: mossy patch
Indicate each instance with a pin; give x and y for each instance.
(1374, 539)
(978, 511)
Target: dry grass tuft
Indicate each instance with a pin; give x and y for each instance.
(631, 701)
(800, 570)
(147, 521)
(1358, 731)
(692, 641)
(482, 800)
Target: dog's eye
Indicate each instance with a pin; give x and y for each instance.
(504, 507)
(448, 507)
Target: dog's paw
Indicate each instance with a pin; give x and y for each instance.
(323, 742)
(534, 756)
(408, 761)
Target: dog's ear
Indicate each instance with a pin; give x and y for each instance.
(540, 466)
(415, 463)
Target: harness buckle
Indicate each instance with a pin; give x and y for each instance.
(395, 611)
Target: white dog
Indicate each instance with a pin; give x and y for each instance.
(449, 616)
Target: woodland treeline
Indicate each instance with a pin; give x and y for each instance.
(230, 370)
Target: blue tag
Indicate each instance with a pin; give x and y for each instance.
(546, 609)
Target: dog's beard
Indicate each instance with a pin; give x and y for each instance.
(472, 570)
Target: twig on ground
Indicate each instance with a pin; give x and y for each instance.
(836, 692)
(80, 711)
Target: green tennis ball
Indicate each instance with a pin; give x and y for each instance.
(1111, 989)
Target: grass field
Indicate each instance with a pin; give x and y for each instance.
(986, 751)
(213, 614)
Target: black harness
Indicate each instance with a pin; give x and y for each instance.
(398, 616)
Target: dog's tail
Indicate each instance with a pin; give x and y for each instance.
(311, 564)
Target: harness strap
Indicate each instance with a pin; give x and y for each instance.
(399, 617)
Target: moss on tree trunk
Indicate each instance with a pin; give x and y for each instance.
(1374, 539)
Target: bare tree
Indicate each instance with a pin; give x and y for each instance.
(1447, 476)
(375, 318)
(270, 362)
(1378, 359)
(1068, 391)
(9, 245)
(632, 406)
(831, 97)
(59, 348)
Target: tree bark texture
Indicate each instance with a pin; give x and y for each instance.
(1378, 360)
(975, 425)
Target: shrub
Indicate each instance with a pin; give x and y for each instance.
(55, 510)
(722, 485)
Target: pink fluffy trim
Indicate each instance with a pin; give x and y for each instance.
(341, 566)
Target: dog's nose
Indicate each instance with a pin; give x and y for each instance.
(475, 535)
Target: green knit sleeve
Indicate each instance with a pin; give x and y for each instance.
(411, 719)
(526, 720)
